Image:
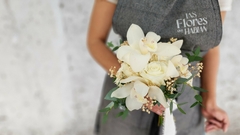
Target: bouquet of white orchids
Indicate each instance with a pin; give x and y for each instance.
(151, 73)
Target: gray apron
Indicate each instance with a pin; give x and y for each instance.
(198, 23)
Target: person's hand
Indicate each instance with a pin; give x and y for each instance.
(217, 119)
(158, 109)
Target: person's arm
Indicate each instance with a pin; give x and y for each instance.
(99, 27)
(216, 117)
(209, 77)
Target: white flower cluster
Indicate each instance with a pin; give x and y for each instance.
(145, 66)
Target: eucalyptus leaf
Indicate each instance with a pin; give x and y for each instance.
(182, 90)
(197, 51)
(125, 113)
(180, 104)
(106, 109)
(108, 96)
(194, 58)
(181, 110)
(171, 95)
(198, 98)
(116, 104)
(194, 104)
(105, 118)
(199, 89)
(177, 95)
(160, 120)
(163, 88)
(120, 41)
(187, 54)
(181, 80)
(120, 114)
(171, 107)
(110, 44)
(115, 48)
(122, 101)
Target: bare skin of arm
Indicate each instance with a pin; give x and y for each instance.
(99, 27)
(216, 117)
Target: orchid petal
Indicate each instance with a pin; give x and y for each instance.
(123, 91)
(190, 82)
(176, 59)
(183, 68)
(124, 52)
(141, 88)
(184, 60)
(138, 61)
(186, 75)
(172, 71)
(134, 35)
(133, 104)
(155, 91)
(178, 43)
(166, 49)
(143, 48)
(153, 36)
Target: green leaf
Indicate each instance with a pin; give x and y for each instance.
(171, 107)
(187, 54)
(182, 103)
(116, 104)
(199, 89)
(177, 95)
(160, 120)
(105, 118)
(106, 109)
(163, 88)
(120, 114)
(110, 44)
(180, 109)
(198, 98)
(197, 51)
(122, 101)
(115, 48)
(181, 80)
(194, 104)
(120, 41)
(125, 113)
(182, 90)
(194, 58)
(108, 96)
(171, 95)
(110, 105)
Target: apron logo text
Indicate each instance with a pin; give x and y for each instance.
(192, 24)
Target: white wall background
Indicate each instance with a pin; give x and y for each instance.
(50, 85)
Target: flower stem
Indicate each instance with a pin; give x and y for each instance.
(160, 120)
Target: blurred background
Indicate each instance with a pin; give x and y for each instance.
(50, 85)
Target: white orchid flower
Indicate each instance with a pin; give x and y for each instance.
(172, 71)
(156, 92)
(168, 50)
(182, 64)
(178, 43)
(185, 73)
(135, 93)
(137, 54)
(179, 60)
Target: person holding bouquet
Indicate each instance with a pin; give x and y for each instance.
(198, 23)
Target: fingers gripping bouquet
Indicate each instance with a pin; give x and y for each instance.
(151, 73)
